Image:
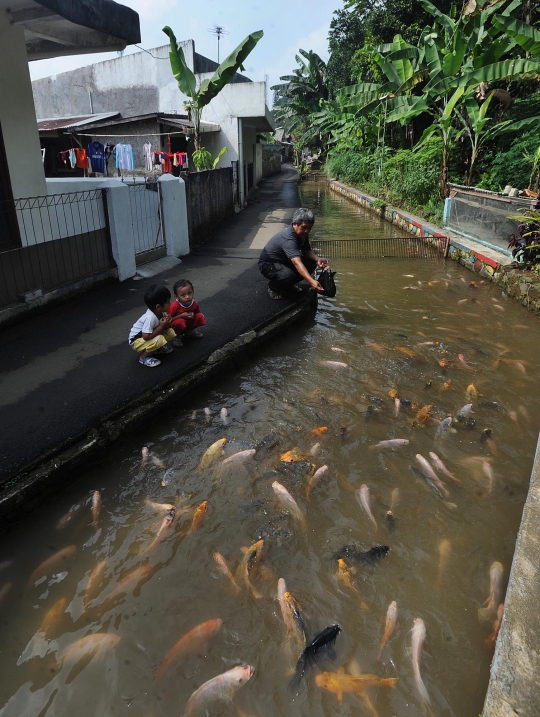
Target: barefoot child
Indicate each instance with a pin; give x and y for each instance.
(185, 312)
(152, 333)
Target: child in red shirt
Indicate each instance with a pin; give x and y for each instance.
(185, 312)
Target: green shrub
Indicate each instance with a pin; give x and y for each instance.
(405, 178)
(511, 167)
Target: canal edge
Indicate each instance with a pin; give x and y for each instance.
(514, 688)
(48, 475)
(487, 262)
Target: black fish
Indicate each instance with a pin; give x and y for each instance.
(489, 404)
(370, 556)
(486, 435)
(266, 476)
(373, 555)
(321, 646)
(347, 551)
(267, 443)
(391, 521)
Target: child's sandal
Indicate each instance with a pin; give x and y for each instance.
(150, 361)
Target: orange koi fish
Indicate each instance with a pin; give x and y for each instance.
(194, 641)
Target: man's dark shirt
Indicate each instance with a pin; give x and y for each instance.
(283, 247)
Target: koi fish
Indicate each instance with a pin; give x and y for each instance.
(145, 456)
(406, 351)
(428, 470)
(159, 506)
(317, 476)
(339, 682)
(193, 641)
(221, 687)
(318, 432)
(321, 645)
(53, 615)
(439, 465)
(289, 503)
(394, 500)
(486, 439)
(224, 415)
(494, 599)
(391, 620)
(131, 582)
(391, 521)
(446, 385)
(362, 496)
(314, 450)
(94, 580)
(445, 550)
(420, 474)
(464, 412)
(423, 415)
(198, 518)
(334, 364)
(445, 428)
(51, 564)
(345, 575)
(490, 642)
(213, 452)
(292, 616)
(88, 645)
(224, 568)
(249, 566)
(463, 361)
(239, 457)
(471, 393)
(418, 639)
(391, 443)
(294, 456)
(488, 470)
(164, 527)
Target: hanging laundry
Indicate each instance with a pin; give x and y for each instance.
(96, 155)
(72, 158)
(165, 160)
(110, 149)
(148, 156)
(81, 158)
(124, 157)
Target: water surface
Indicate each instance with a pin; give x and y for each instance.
(382, 330)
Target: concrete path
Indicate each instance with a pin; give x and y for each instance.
(61, 372)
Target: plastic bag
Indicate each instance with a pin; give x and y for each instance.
(326, 280)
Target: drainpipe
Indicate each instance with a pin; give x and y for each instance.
(241, 188)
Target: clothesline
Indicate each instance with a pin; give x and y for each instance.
(145, 134)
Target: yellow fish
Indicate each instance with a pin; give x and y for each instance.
(339, 682)
(215, 450)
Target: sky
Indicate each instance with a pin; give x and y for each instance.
(288, 26)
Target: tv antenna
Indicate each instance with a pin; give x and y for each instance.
(218, 31)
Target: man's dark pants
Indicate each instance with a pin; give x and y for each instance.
(283, 277)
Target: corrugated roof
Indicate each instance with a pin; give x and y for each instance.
(53, 123)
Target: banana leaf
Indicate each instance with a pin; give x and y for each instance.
(182, 74)
(525, 35)
(226, 71)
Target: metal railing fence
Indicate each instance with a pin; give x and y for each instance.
(380, 248)
(147, 221)
(49, 241)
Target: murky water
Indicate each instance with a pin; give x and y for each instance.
(173, 584)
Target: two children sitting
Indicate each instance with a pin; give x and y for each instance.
(162, 327)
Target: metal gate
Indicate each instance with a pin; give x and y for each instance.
(381, 248)
(147, 221)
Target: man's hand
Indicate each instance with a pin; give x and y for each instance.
(323, 263)
(315, 285)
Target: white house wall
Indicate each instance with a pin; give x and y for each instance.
(17, 118)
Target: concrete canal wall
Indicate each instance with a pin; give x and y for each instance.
(514, 686)
(485, 261)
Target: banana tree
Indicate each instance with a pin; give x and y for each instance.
(200, 96)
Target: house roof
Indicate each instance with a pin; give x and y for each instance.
(113, 119)
(54, 28)
(52, 124)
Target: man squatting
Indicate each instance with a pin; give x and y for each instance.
(288, 257)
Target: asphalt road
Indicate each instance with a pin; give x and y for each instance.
(64, 370)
